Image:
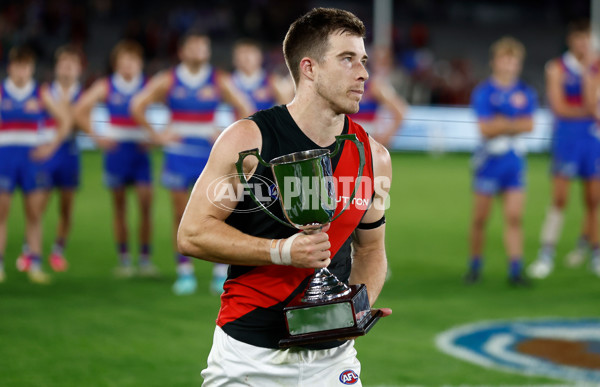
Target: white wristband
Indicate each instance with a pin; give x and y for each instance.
(286, 250)
(275, 256)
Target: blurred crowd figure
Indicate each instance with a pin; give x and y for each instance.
(192, 91)
(572, 88)
(381, 108)
(94, 27)
(504, 106)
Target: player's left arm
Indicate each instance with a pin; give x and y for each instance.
(523, 123)
(369, 264)
(591, 88)
(234, 97)
(387, 97)
(155, 91)
(60, 113)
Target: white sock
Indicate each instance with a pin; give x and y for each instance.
(185, 268)
(220, 270)
(552, 227)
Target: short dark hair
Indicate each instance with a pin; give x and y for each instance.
(578, 26)
(126, 46)
(68, 49)
(309, 35)
(21, 54)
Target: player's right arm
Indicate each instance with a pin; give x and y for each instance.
(203, 232)
(556, 93)
(492, 125)
(591, 87)
(155, 91)
(83, 109)
(282, 88)
(386, 96)
(500, 125)
(59, 112)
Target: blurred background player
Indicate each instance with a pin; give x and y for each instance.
(574, 151)
(21, 157)
(504, 106)
(192, 91)
(381, 108)
(264, 90)
(592, 96)
(125, 145)
(63, 168)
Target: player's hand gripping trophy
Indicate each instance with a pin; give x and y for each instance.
(329, 309)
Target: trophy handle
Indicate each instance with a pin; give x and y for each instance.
(361, 155)
(239, 165)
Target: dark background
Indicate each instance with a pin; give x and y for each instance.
(440, 46)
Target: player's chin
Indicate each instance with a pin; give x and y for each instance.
(349, 107)
(352, 108)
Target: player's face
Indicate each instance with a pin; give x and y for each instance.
(247, 59)
(507, 65)
(195, 51)
(128, 65)
(340, 77)
(579, 44)
(21, 72)
(68, 68)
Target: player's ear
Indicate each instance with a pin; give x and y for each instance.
(307, 68)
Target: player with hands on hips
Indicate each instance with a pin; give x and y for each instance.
(192, 91)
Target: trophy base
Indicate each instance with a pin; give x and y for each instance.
(340, 318)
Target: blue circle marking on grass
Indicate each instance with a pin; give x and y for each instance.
(567, 349)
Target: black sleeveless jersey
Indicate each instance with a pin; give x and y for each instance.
(254, 296)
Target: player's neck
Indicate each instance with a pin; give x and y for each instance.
(581, 58)
(66, 84)
(504, 80)
(194, 68)
(249, 73)
(128, 77)
(20, 83)
(316, 119)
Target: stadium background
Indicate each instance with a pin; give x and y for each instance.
(91, 329)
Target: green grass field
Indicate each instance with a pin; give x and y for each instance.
(89, 329)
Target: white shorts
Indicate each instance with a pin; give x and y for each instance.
(234, 363)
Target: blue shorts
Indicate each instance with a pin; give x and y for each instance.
(18, 169)
(494, 174)
(184, 164)
(127, 164)
(576, 150)
(63, 168)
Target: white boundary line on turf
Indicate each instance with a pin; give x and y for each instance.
(444, 342)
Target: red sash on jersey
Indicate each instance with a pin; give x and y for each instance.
(266, 286)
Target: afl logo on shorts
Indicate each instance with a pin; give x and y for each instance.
(348, 377)
(518, 100)
(273, 192)
(567, 349)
